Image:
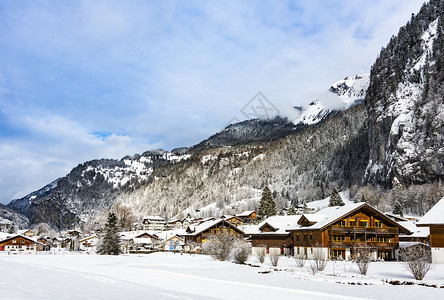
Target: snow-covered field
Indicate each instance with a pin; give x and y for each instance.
(175, 276)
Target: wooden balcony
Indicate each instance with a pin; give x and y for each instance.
(361, 244)
(358, 229)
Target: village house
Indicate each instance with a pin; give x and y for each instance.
(174, 243)
(434, 220)
(20, 243)
(26, 232)
(197, 234)
(342, 231)
(273, 235)
(154, 223)
(6, 225)
(248, 217)
(89, 243)
(139, 241)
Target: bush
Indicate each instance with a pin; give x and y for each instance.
(300, 261)
(260, 252)
(320, 259)
(274, 259)
(241, 251)
(416, 260)
(363, 261)
(219, 246)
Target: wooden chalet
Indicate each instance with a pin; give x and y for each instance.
(434, 220)
(199, 233)
(20, 243)
(248, 217)
(236, 221)
(342, 231)
(273, 235)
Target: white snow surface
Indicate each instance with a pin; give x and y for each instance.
(320, 204)
(313, 114)
(175, 276)
(435, 216)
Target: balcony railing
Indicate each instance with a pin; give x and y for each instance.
(361, 244)
(368, 229)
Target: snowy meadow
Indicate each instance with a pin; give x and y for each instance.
(176, 276)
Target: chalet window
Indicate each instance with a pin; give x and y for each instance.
(311, 236)
(14, 241)
(341, 223)
(378, 224)
(305, 237)
(363, 223)
(352, 223)
(297, 238)
(338, 238)
(22, 241)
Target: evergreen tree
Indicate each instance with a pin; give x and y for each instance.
(335, 198)
(110, 241)
(291, 211)
(267, 206)
(397, 209)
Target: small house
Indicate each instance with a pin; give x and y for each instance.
(434, 220)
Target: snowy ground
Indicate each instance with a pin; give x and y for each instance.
(175, 276)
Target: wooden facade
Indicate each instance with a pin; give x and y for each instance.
(345, 236)
(248, 217)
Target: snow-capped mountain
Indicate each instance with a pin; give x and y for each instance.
(351, 90)
(314, 113)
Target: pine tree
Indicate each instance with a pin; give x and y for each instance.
(110, 241)
(291, 211)
(267, 206)
(397, 209)
(335, 198)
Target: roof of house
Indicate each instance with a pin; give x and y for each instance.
(403, 245)
(417, 232)
(4, 235)
(435, 216)
(89, 237)
(279, 223)
(196, 229)
(142, 241)
(245, 213)
(332, 214)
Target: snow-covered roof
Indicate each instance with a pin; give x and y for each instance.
(167, 234)
(4, 235)
(154, 218)
(142, 241)
(435, 216)
(196, 229)
(331, 214)
(89, 237)
(245, 213)
(280, 223)
(417, 232)
(403, 245)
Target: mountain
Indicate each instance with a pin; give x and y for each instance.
(405, 104)
(9, 216)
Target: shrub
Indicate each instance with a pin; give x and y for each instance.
(219, 246)
(274, 259)
(241, 251)
(300, 261)
(320, 259)
(260, 252)
(416, 260)
(363, 260)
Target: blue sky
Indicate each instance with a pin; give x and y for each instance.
(81, 80)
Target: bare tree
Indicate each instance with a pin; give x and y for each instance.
(219, 246)
(274, 259)
(363, 260)
(260, 252)
(416, 260)
(125, 216)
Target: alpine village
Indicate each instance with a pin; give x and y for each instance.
(364, 185)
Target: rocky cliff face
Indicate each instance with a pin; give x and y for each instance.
(405, 104)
